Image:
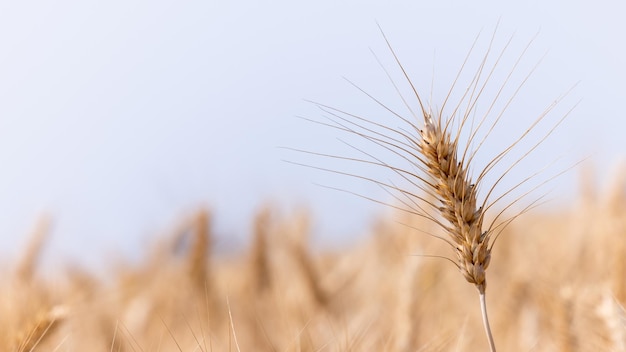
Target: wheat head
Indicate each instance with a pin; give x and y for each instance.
(457, 195)
(434, 158)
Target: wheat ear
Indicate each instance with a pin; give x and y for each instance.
(433, 159)
(457, 195)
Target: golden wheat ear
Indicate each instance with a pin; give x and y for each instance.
(446, 158)
(457, 195)
(432, 155)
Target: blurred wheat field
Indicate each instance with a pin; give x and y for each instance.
(557, 285)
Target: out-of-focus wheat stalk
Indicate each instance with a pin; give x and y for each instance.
(42, 326)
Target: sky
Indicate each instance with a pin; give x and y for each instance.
(117, 118)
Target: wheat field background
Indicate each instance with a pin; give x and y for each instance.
(557, 284)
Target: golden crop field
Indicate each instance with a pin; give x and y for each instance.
(556, 284)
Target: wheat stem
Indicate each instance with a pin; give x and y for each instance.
(483, 309)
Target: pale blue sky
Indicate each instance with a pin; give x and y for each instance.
(118, 117)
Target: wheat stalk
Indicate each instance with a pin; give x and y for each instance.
(447, 166)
